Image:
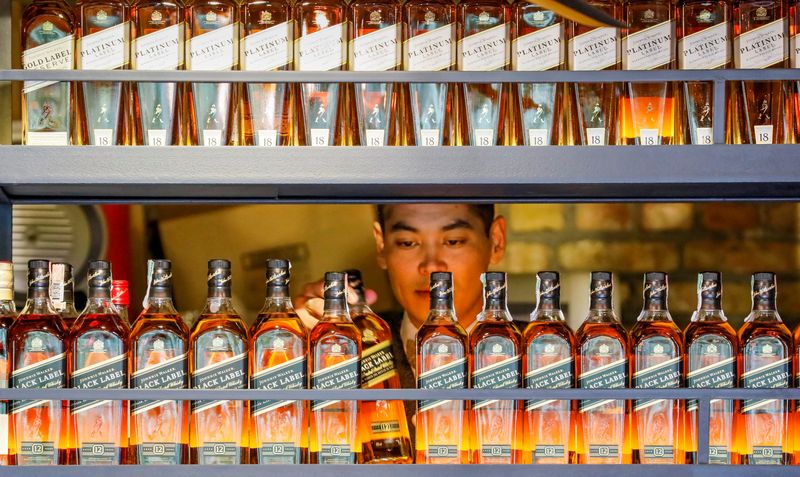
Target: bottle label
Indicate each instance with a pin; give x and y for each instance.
(650, 48)
(279, 453)
(287, 375)
(442, 452)
(495, 450)
(763, 134)
(268, 49)
(3, 430)
(218, 453)
(323, 50)
(718, 375)
(344, 375)
(107, 374)
(55, 55)
(767, 455)
(609, 376)
(158, 453)
(431, 51)
(160, 50)
(429, 137)
(538, 51)
(335, 454)
(169, 374)
(556, 375)
(37, 453)
(452, 375)
(98, 453)
(794, 51)
(705, 50)
(156, 137)
(718, 455)
(230, 373)
(103, 137)
(594, 50)
(485, 51)
(659, 452)
(376, 51)
(595, 136)
(538, 137)
(384, 427)
(484, 137)
(48, 373)
(501, 375)
(38, 138)
(213, 51)
(761, 47)
(602, 451)
(267, 137)
(104, 50)
(705, 136)
(649, 137)
(212, 137)
(320, 137)
(770, 376)
(377, 364)
(666, 374)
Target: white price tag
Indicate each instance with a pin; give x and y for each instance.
(429, 137)
(763, 134)
(267, 137)
(212, 137)
(103, 137)
(537, 137)
(58, 138)
(648, 137)
(156, 137)
(705, 136)
(484, 137)
(320, 137)
(374, 137)
(595, 136)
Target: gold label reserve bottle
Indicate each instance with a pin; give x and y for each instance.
(159, 359)
(335, 348)
(37, 343)
(710, 362)
(442, 363)
(8, 313)
(218, 360)
(48, 43)
(549, 363)
(602, 364)
(278, 360)
(656, 363)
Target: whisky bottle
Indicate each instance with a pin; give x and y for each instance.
(710, 362)
(278, 352)
(537, 46)
(594, 105)
(267, 45)
(375, 46)
(218, 360)
(37, 346)
(430, 45)
(8, 313)
(794, 62)
(159, 359)
(98, 356)
(157, 33)
(483, 45)
(496, 347)
(102, 45)
(335, 350)
(647, 110)
(62, 292)
(656, 363)
(602, 363)
(48, 43)
(704, 42)
(760, 41)
(213, 36)
(320, 46)
(549, 363)
(383, 423)
(765, 361)
(442, 432)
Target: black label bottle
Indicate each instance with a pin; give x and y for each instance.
(8, 313)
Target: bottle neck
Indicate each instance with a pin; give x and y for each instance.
(764, 305)
(277, 303)
(656, 305)
(219, 293)
(600, 303)
(38, 302)
(220, 304)
(160, 304)
(709, 304)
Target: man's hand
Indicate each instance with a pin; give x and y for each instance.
(309, 304)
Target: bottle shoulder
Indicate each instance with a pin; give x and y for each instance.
(48, 323)
(208, 322)
(536, 329)
(147, 323)
(486, 329)
(643, 330)
(696, 330)
(753, 330)
(289, 322)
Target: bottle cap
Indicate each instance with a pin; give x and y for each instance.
(441, 286)
(709, 286)
(219, 273)
(494, 286)
(278, 272)
(39, 274)
(548, 286)
(354, 279)
(335, 286)
(119, 293)
(601, 286)
(655, 286)
(764, 287)
(161, 275)
(6, 281)
(99, 274)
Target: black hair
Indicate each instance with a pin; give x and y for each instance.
(485, 212)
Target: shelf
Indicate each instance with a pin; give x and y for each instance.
(85, 174)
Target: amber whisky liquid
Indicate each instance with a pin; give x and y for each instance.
(8, 314)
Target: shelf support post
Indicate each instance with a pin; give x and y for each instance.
(719, 112)
(703, 423)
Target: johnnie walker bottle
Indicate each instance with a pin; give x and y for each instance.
(335, 351)
(98, 356)
(647, 110)
(602, 363)
(710, 362)
(549, 363)
(102, 45)
(218, 360)
(442, 363)
(656, 363)
(594, 105)
(760, 41)
(794, 62)
(48, 43)
(62, 292)
(484, 45)
(765, 361)
(267, 45)
(496, 347)
(157, 43)
(430, 45)
(383, 423)
(37, 343)
(278, 352)
(159, 359)
(537, 46)
(213, 45)
(320, 45)
(8, 313)
(704, 42)
(375, 46)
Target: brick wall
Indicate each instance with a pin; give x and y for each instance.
(681, 239)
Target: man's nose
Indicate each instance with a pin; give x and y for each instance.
(432, 261)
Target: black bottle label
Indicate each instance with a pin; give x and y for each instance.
(718, 375)
(503, 374)
(170, 374)
(107, 374)
(279, 453)
(557, 375)
(45, 374)
(336, 454)
(377, 364)
(610, 376)
(766, 366)
(452, 375)
(660, 368)
(230, 373)
(288, 375)
(343, 375)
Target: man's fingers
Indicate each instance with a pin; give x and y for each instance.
(309, 291)
(311, 312)
(371, 296)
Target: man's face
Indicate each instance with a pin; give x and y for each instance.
(423, 238)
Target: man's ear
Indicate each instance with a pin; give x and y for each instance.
(497, 234)
(377, 234)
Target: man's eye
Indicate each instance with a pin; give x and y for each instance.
(454, 242)
(405, 243)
